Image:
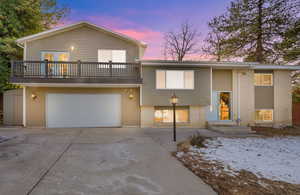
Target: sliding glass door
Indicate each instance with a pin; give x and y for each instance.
(55, 69)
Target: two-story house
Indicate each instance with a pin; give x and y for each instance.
(82, 75)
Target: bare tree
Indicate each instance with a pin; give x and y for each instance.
(180, 43)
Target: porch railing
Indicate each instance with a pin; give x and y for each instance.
(75, 70)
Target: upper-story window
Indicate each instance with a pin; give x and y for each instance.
(55, 55)
(106, 55)
(263, 79)
(175, 79)
(55, 68)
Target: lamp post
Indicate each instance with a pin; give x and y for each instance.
(174, 101)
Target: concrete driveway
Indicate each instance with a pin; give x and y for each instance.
(92, 161)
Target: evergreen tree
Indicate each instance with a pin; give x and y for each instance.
(214, 42)
(290, 45)
(19, 18)
(254, 28)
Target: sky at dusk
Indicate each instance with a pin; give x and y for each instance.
(145, 20)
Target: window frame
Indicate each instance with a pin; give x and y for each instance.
(54, 52)
(165, 77)
(169, 108)
(111, 52)
(264, 121)
(263, 85)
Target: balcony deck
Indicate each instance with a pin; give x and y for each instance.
(75, 72)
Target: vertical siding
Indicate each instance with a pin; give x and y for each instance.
(243, 96)
(222, 80)
(264, 95)
(199, 96)
(13, 107)
(282, 97)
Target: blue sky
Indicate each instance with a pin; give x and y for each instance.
(145, 20)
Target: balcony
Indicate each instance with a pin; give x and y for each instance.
(75, 72)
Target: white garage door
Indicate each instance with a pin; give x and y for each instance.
(83, 110)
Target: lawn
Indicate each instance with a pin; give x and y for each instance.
(253, 165)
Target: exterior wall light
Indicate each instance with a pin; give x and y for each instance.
(72, 48)
(129, 92)
(33, 96)
(131, 96)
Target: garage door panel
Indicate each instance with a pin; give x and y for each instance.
(83, 110)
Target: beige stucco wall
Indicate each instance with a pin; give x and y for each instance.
(147, 116)
(243, 96)
(13, 107)
(199, 96)
(222, 80)
(86, 42)
(196, 117)
(282, 98)
(35, 109)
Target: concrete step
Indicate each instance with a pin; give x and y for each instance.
(233, 129)
(221, 123)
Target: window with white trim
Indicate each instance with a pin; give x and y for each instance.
(174, 79)
(264, 115)
(115, 56)
(263, 79)
(165, 114)
(106, 55)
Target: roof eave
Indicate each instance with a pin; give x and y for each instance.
(75, 25)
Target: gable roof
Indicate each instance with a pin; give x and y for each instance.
(54, 31)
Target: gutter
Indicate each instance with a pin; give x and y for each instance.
(20, 45)
(216, 66)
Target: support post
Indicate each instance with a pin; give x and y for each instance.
(79, 68)
(110, 68)
(174, 123)
(12, 68)
(46, 67)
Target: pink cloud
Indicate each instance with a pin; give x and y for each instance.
(154, 39)
(140, 34)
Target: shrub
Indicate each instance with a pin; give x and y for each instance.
(198, 140)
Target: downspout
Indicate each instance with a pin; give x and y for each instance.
(238, 99)
(24, 87)
(24, 106)
(211, 98)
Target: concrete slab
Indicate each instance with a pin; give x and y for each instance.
(164, 136)
(92, 161)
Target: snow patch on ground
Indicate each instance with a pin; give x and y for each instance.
(273, 158)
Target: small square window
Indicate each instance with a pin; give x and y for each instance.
(263, 79)
(264, 115)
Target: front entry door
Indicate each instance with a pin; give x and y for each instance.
(221, 107)
(224, 103)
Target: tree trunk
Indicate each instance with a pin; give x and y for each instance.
(259, 45)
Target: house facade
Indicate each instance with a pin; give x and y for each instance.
(83, 75)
